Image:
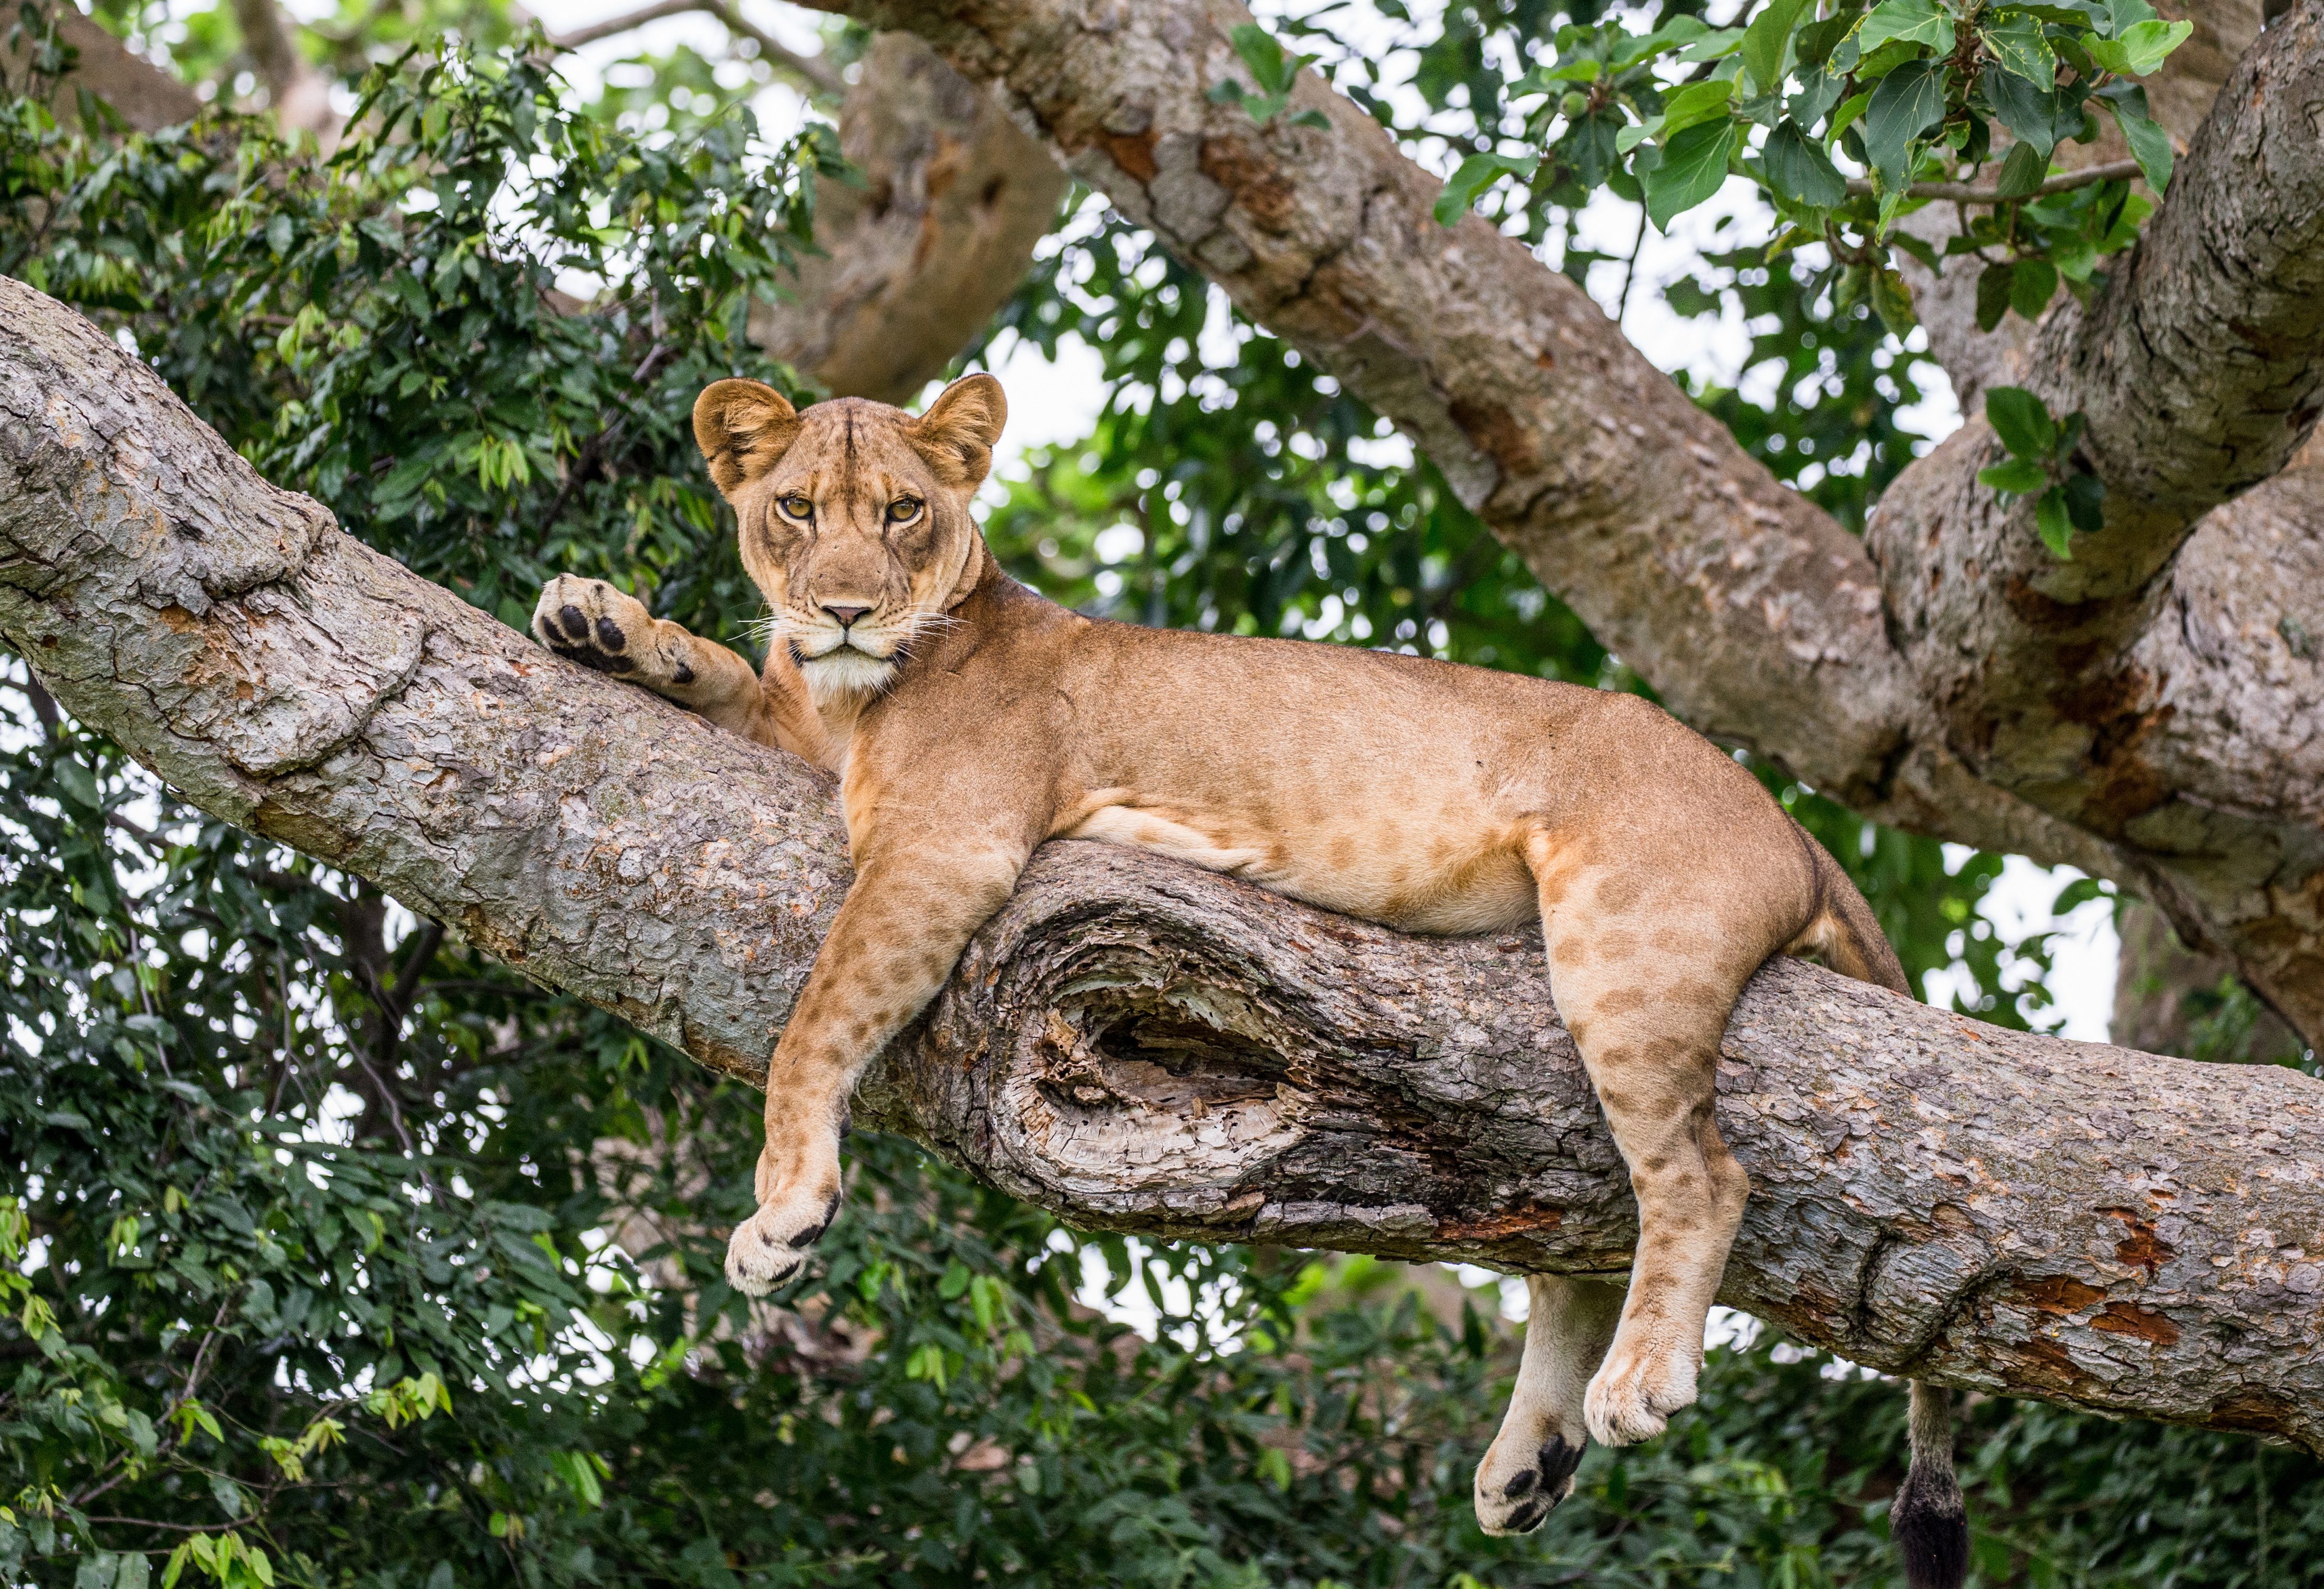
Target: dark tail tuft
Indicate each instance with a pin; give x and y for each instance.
(1927, 1520)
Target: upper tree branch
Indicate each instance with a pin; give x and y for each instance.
(1135, 1044)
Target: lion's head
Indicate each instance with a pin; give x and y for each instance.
(854, 516)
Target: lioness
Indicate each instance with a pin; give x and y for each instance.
(970, 719)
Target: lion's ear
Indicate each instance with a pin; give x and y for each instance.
(957, 432)
(743, 427)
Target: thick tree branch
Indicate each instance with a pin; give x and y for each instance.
(1132, 1043)
(2200, 365)
(141, 93)
(916, 260)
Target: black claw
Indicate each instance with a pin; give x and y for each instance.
(576, 625)
(1558, 1460)
(808, 1237)
(1527, 1518)
(1519, 1488)
(683, 675)
(609, 635)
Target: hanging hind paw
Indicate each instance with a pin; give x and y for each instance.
(1635, 1391)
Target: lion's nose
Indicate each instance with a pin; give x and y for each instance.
(844, 616)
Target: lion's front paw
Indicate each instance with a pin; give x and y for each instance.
(1515, 1491)
(1635, 1391)
(768, 1248)
(589, 622)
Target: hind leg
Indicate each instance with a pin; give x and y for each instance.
(1648, 1022)
(1530, 1468)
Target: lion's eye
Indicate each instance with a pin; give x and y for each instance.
(796, 507)
(903, 510)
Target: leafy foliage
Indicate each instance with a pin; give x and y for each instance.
(332, 1252)
(1908, 91)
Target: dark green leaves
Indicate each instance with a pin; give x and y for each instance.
(1693, 166)
(1910, 100)
(2041, 448)
(1476, 173)
(2021, 420)
(2150, 145)
(1766, 41)
(2023, 172)
(1799, 170)
(1275, 72)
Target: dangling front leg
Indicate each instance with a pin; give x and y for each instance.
(892, 945)
(1530, 1468)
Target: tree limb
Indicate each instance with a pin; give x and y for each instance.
(144, 96)
(917, 259)
(2117, 170)
(812, 72)
(300, 94)
(1134, 1044)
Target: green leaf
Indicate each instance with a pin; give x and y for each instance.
(1916, 22)
(2054, 524)
(2126, 14)
(1764, 41)
(1476, 174)
(2030, 113)
(1692, 168)
(2035, 281)
(2021, 420)
(1264, 57)
(2085, 501)
(1892, 300)
(2142, 47)
(2024, 170)
(80, 787)
(1818, 39)
(2018, 477)
(1695, 104)
(1799, 170)
(1716, 45)
(2018, 47)
(1908, 102)
(1845, 117)
(2150, 145)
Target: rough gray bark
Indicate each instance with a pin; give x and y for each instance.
(1132, 1043)
(2201, 366)
(916, 261)
(1760, 620)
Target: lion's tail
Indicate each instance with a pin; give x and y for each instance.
(1841, 927)
(1927, 1519)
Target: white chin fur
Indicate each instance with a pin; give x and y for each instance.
(845, 672)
